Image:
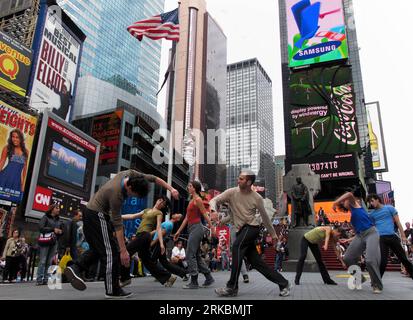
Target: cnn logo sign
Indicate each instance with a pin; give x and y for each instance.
(42, 199)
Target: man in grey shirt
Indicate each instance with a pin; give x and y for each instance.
(101, 220)
(244, 203)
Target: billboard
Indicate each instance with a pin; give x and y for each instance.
(316, 32)
(15, 64)
(132, 205)
(56, 68)
(327, 207)
(224, 235)
(65, 168)
(17, 133)
(332, 167)
(383, 187)
(107, 130)
(376, 137)
(322, 112)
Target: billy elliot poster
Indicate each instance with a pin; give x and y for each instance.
(56, 68)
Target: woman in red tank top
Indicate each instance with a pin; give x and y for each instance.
(194, 212)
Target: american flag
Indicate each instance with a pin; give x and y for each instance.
(388, 197)
(165, 25)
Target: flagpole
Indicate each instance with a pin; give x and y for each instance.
(171, 108)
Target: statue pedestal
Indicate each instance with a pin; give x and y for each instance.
(294, 247)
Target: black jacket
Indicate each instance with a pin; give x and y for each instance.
(48, 224)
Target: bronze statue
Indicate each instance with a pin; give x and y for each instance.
(301, 203)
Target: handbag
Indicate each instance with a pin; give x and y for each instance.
(46, 239)
(63, 262)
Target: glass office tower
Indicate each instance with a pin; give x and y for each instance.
(250, 129)
(110, 53)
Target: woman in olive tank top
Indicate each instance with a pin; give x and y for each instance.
(311, 240)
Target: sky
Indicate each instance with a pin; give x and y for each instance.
(252, 30)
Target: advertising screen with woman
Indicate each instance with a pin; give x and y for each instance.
(17, 131)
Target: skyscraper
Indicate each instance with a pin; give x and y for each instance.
(215, 102)
(200, 93)
(250, 131)
(111, 54)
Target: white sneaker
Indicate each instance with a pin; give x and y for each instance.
(286, 291)
(377, 290)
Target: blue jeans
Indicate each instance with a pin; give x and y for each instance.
(45, 260)
(279, 261)
(224, 261)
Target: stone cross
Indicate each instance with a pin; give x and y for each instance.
(310, 179)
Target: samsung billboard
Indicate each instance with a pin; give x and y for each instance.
(316, 32)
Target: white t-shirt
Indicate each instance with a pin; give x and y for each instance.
(178, 253)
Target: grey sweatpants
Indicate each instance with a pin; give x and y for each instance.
(193, 251)
(233, 237)
(368, 240)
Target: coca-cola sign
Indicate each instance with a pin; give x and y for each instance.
(322, 112)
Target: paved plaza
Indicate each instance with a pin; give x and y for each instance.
(396, 287)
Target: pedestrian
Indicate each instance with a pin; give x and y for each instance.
(193, 219)
(50, 227)
(366, 239)
(312, 239)
(280, 253)
(178, 255)
(22, 259)
(385, 217)
(11, 255)
(102, 226)
(224, 256)
(71, 239)
(151, 220)
(244, 203)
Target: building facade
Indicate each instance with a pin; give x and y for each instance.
(214, 104)
(279, 174)
(110, 53)
(250, 131)
(199, 94)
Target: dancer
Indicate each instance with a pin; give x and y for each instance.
(311, 240)
(193, 216)
(151, 220)
(384, 217)
(244, 202)
(157, 254)
(366, 238)
(101, 220)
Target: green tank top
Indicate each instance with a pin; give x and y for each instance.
(316, 235)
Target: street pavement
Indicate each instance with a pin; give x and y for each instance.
(396, 287)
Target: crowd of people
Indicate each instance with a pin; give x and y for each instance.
(95, 241)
